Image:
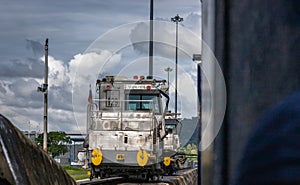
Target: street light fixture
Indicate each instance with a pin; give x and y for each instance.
(168, 70)
(176, 19)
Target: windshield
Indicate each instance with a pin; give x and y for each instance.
(143, 102)
(171, 129)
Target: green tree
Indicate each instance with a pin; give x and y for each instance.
(56, 143)
(191, 151)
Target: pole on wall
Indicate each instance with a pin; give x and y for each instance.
(44, 89)
(46, 98)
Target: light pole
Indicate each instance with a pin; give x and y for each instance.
(176, 19)
(151, 41)
(44, 89)
(168, 70)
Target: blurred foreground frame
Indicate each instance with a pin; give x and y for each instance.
(257, 44)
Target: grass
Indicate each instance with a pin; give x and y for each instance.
(76, 173)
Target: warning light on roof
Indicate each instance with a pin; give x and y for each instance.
(135, 77)
(142, 77)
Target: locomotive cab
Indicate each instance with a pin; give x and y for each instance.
(126, 127)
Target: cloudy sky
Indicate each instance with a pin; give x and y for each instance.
(88, 38)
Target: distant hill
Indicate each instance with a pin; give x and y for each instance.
(189, 131)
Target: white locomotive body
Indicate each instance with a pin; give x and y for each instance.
(126, 127)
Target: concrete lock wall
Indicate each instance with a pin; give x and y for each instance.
(22, 162)
(257, 45)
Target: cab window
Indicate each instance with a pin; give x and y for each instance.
(142, 102)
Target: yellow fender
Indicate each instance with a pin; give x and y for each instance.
(167, 161)
(142, 157)
(96, 157)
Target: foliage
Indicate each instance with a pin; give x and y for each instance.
(56, 143)
(191, 152)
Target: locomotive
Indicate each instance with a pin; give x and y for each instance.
(173, 159)
(126, 128)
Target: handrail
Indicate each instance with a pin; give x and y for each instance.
(120, 114)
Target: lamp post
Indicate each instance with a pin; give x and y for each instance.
(44, 90)
(151, 40)
(46, 98)
(176, 19)
(168, 70)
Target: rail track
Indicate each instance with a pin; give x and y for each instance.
(183, 177)
(106, 181)
(121, 180)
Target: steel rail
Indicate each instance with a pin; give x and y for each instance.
(112, 180)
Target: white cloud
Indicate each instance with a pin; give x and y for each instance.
(57, 72)
(187, 84)
(21, 102)
(186, 93)
(21, 119)
(164, 38)
(68, 35)
(84, 70)
(193, 22)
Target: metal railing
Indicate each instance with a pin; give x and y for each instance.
(121, 117)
